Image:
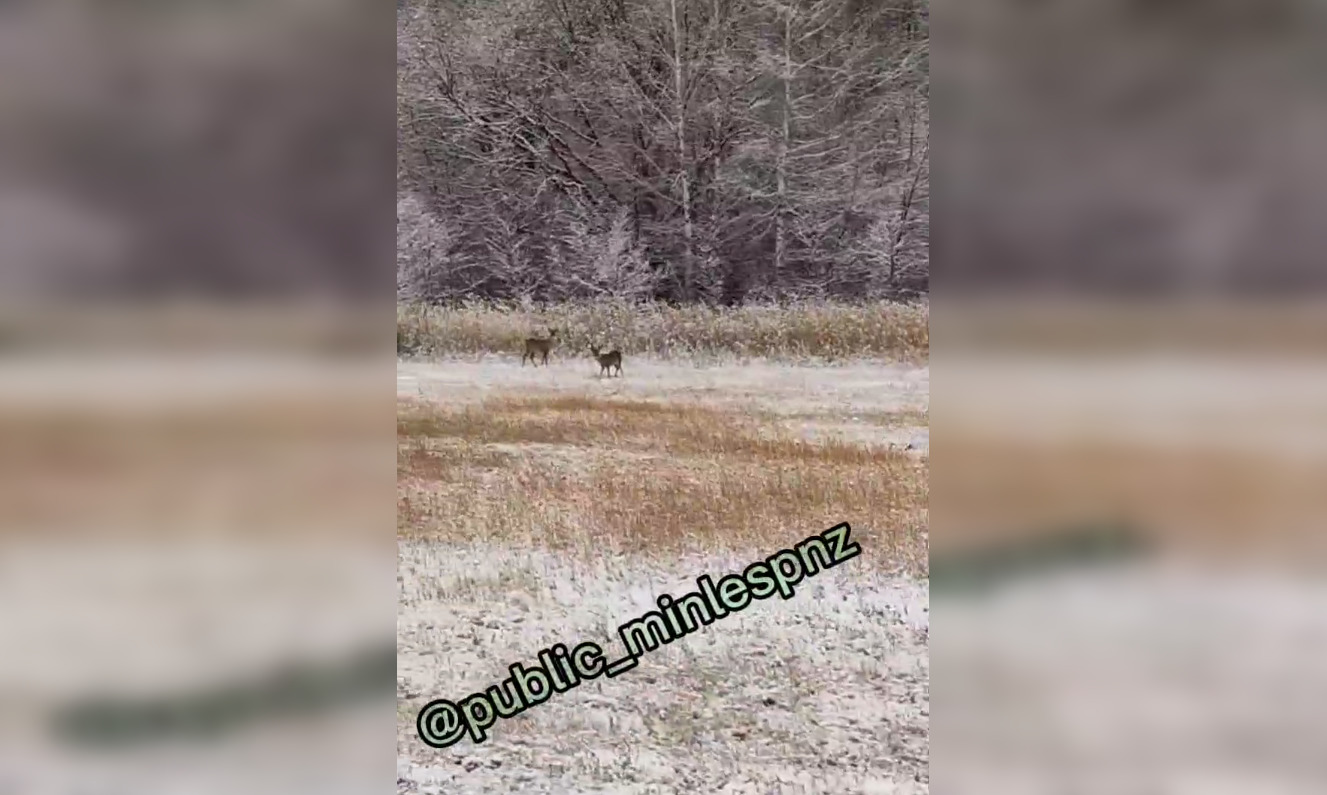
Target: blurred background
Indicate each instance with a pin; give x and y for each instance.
(1129, 331)
(195, 238)
(197, 561)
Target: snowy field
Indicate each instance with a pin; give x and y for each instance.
(1201, 671)
(825, 692)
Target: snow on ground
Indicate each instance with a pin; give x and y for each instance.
(1156, 678)
(825, 692)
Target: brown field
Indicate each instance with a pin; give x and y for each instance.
(646, 476)
(1210, 454)
(1223, 502)
(189, 447)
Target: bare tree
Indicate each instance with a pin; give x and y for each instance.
(685, 149)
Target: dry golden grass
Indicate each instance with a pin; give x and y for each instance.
(623, 476)
(1081, 327)
(194, 327)
(804, 330)
(1211, 501)
(257, 468)
(626, 425)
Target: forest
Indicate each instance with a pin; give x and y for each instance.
(716, 152)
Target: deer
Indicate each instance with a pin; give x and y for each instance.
(607, 361)
(535, 346)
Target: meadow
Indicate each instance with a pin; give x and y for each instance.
(539, 504)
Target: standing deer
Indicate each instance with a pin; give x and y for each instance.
(608, 360)
(536, 346)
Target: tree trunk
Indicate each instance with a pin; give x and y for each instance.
(781, 164)
(688, 229)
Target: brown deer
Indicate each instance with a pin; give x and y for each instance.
(536, 346)
(608, 361)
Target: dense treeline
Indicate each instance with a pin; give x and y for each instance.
(719, 151)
